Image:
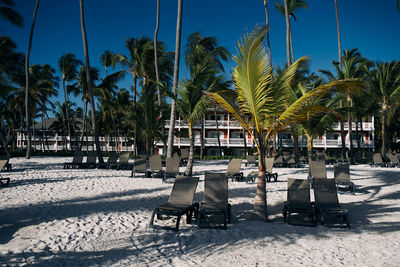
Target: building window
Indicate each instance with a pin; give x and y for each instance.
(236, 135)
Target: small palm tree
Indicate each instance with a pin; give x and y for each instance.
(262, 109)
(9, 14)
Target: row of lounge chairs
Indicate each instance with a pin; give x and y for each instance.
(114, 161)
(156, 167)
(393, 160)
(213, 211)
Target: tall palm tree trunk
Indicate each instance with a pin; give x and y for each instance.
(135, 150)
(171, 131)
(217, 127)
(157, 74)
(89, 84)
(66, 111)
(28, 122)
(291, 42)
(350, 132)
(189, 166)
(289, 62)
(267, 33)
(84, 123)
(309, 151)
(202, 138)
(340, 63)
(357, 133)
(362, 138)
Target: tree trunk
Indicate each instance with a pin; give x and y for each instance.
(291, 42)
(157, 74)
(362, 139)
(34, 135)
(84, 123)
(245, 142)
(27, 110)
(358, 135)
(260, 202)
(342, 136)
(134, 111)
(202, 138)
(176, 79)
(189, 166)
(296, 146)
(338, 34)
(217, 127)
(309, 151)
(349, 119)
(289, 62)
(89, 84)
(384, 108)
(267, 31)
(67, 112)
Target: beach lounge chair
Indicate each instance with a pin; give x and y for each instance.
(140, 166)
(377, 160)
(123, 163)
(318, 170)
(215, 209)
(289, 161)
(279, 162)
(156, 166)
(171, 168)
(269, 164)
(394, 161)
(342, 177)
(76, 161)
(369, 157)
(327, 203)
(358, 157)
(111, 161)
(90, 160)
(184, 156)
(298, 201)
(233, 170)
(8, 166)
(3, 181)
(180, 201)
(251, 159)
(321, 156)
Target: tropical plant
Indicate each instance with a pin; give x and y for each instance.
(262, 109)
(384, 81)
(267, 32)
(9, 14)
(171, 131)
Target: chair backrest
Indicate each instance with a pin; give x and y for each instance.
(377, 158)
(78, 157)
(289, 159)
(183, 190)
(269, 164)
(298, 192)
(318, 169)
(140, 164)
(321, 156)
(155, 163)
(325, 194)
(369, 156)
(184, 153)
(2, 164)
(234, 166)
(91, 157)
(392, 158)
(251, 159)
(215, 189)
(172, 165)
(358, 156)
(342, 173)
(124, 157)
(279, 160)
(113, 158)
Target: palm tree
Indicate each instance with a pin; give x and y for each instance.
(68, 64)
(106, 60)
(9, 14)
(192, 104)
(263, 109)
(353, 66)
(89, 84)
(288, 9)
(171, 131)
(28, 121)
(384, 81)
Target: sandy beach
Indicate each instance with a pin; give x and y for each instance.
(55, 217)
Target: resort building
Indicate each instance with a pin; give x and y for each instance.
(231, 136)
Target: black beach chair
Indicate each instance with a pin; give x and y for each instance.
(215, 211)
(139, 166)
(251, 159)
(342, 177)
(327, 203)
(111, 161)
(90, 160)
(377, 161)
(3, 181)
(180, 201)
(76, 161)
(123, 163)
(298, 201)
(184, 156)
(394, 161)
(171, 168)
(233, 170)
(156, 166)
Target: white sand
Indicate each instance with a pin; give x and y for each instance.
(52, 217)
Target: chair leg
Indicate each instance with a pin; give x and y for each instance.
(229, 210)
(177, 222)
(152, 218)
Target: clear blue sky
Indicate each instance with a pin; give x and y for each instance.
(369, 25)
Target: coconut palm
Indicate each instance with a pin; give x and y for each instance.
(106, 59)
(384, 81)
(288, 9)
(9, 14)
(89, 84)
(267, 32)
(28, 121)
(353, 66)
(171, 131)
(262, 109)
